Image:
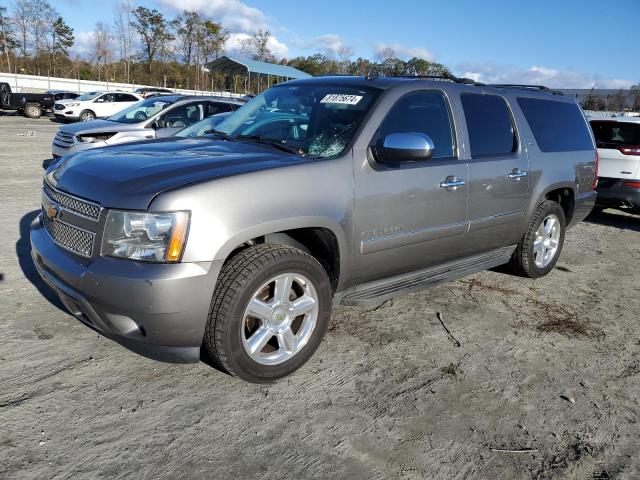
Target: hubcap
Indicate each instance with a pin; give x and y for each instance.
(547, 241)
(280, 318)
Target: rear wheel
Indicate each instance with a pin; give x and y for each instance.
(538, 252)
(33, 110)
(87, 116)
(269, 312)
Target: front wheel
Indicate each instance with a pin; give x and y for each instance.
(538, 252)
(269, 312)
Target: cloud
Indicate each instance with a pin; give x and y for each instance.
(239, 18)
(538, 75)
(403, 51)
(83, 44)
(329, 43)
(233, 14)
(234, 44)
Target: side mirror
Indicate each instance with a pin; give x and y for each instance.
(405, 147)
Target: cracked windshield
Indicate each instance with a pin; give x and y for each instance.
(308, 119)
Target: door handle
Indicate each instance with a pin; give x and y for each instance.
(452, 183)
(517, 174)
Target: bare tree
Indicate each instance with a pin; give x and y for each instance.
(101, 54)
(344, 58)
(42, 17)
(125, 33)
(257, 46)
(8, 42)
(22, 19)
(386, 54)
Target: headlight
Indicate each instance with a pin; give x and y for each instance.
(71, 104)
(151, 237)
(94, 138)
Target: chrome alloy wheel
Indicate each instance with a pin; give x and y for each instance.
(547, 241)
(280, 318)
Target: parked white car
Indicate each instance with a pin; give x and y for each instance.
(618, 142)
(94, 105)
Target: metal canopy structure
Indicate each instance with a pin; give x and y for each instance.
(245, 67)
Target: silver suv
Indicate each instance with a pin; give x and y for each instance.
(317, 192)
(156, 117)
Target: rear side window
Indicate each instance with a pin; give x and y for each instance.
(422, 112)
(557, 126)
(615, 134)
(490, 126)
(219, 107)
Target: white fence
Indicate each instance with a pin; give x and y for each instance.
(30, 83)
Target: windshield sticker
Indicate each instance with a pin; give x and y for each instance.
(341, 99)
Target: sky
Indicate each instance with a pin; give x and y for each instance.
(561, 43)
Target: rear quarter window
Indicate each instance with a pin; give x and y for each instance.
(615, 134)
(556, 126)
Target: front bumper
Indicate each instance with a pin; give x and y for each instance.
(157, 310)
(613, 193)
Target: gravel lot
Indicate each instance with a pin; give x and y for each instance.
(551, 367)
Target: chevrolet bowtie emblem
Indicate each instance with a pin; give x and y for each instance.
(51, 211)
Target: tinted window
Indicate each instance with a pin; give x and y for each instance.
(219, 107)
(616, 134)
(557, 126)
(421, 112)
(489, 125)
(184, 115)
(123, 97)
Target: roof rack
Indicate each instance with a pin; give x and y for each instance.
(375, 73)
(542, 88)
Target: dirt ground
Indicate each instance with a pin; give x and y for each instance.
(545, 383)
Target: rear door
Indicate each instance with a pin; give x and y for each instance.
(498, 172)
(618, 147)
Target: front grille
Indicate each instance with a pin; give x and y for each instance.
(64, 140)
(58, 106)
(76, 205)
(72, 238)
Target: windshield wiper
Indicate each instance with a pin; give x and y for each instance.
(217, 134)
(272, 142)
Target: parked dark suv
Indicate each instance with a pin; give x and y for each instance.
(319, 191)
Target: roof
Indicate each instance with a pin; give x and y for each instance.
(240, 65)
(385, 83)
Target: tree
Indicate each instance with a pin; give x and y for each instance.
(424, 67)
(101, 47)
(257, 46)
(615, 102)
(124, 32)
(42, 17)
(8, 42)
(186, 26)
(153, 29)
(590, 102)
(62, 39)
(635, 98)
(22, 19)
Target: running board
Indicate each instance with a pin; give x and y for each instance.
(376, 292)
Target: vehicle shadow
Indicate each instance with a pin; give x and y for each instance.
(23, 251)
(614, 218)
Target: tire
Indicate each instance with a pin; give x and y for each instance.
(5, 95)
(87, 116)
(32, 110)
(527, 260)
(231, 328)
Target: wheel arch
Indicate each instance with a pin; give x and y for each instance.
(563, 193)
(321, 237)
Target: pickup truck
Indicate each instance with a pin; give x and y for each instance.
(31, 105)
(322, 191)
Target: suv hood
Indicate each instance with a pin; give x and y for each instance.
(130, 176)
(99, 126)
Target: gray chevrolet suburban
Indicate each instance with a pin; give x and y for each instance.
(317, 192)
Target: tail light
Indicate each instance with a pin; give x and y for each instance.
(630, 150)
(631, 184)
(594, 183)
